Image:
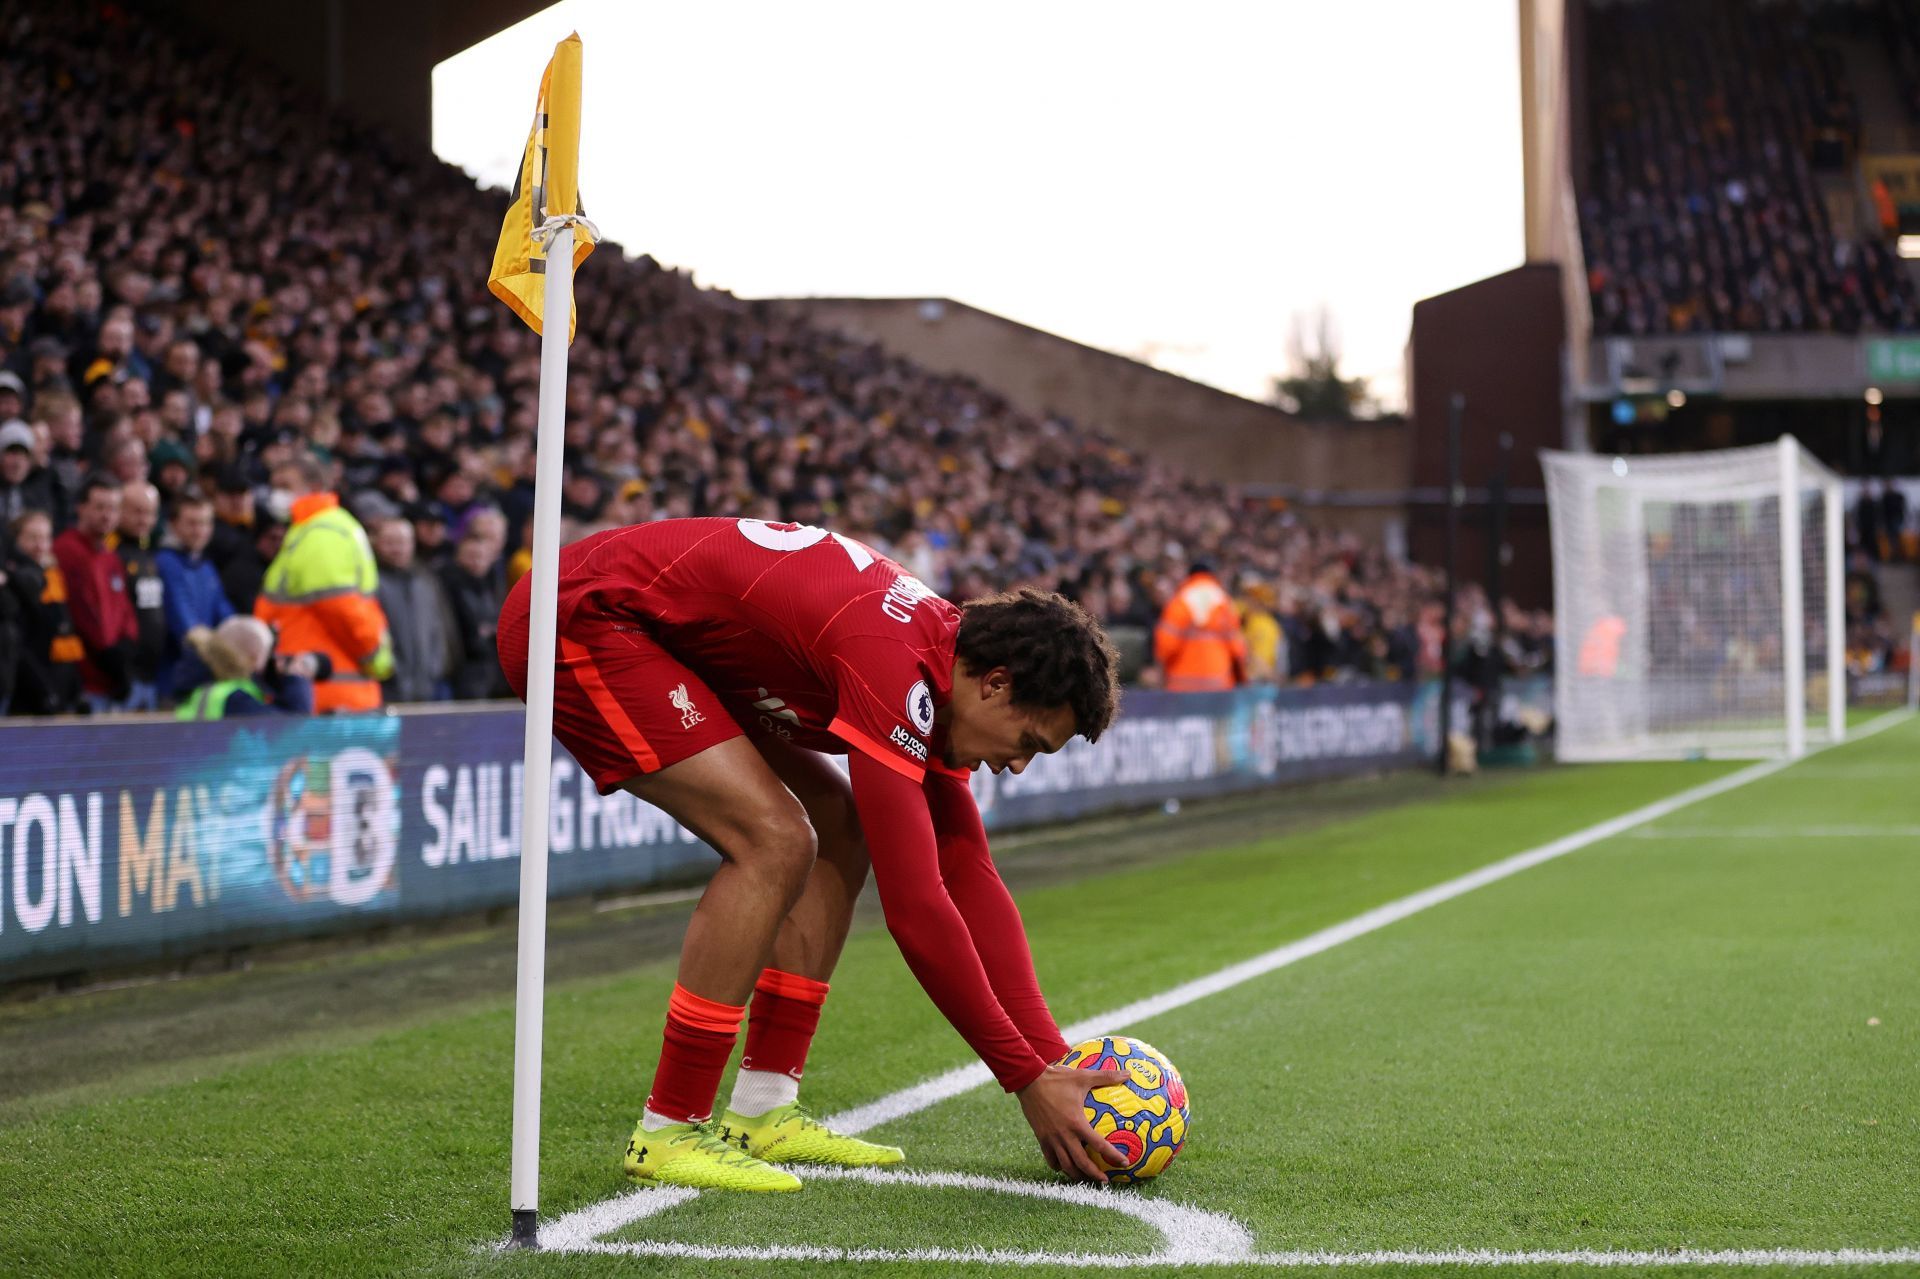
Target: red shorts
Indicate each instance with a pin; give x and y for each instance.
(622, 705)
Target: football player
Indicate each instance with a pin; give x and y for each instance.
(708, 666)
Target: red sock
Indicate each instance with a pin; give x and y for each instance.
(786, 1011)
(699, 1039)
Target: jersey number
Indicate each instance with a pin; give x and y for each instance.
(798, 537)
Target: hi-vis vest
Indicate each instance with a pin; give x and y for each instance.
(319, 593)
(1198, 643)
(209, 701)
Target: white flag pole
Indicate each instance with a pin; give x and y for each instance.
(530, 983)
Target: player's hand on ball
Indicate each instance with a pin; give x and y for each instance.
(1056, 1108)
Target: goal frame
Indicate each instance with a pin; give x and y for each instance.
(1793, 475)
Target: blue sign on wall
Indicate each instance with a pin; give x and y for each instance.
(136, 841)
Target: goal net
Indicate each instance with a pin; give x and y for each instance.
(1697, 603)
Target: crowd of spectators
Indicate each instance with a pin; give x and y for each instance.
(1700, 211)
(1322, 624)
(1884, 532)
(201, 278)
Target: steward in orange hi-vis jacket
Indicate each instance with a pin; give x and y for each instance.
(319, 593)
(1198, 643)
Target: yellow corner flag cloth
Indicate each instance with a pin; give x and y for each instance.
(548, 185)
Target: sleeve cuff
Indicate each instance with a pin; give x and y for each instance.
(1025, 1075)
(1052, 1051)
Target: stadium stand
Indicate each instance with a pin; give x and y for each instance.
(1901, 31)
(201, 275)
(1711, 122)
(1731, 183)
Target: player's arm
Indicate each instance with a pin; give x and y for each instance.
(993, 921)
(926, 923)
(939, 950)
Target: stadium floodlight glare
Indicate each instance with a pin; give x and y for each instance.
(1698, 603)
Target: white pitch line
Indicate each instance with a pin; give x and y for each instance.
(1475, 1257)
(960, 1079)
(580, 1230)
(1778, 832)
(1189, 1236)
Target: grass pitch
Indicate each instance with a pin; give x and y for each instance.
(1703, 1033)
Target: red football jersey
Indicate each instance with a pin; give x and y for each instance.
(802, 633)
(814, 637)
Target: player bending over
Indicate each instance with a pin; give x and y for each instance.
(705, 665)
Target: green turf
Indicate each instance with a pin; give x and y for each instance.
(1651, 1043)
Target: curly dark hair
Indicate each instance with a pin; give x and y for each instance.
(1055, 653)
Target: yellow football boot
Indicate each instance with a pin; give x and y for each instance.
(789, 1135)
(695, 1155)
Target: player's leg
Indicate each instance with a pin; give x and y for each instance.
(635, 719)
(764, 1114)
(729, 798)
(811, 936)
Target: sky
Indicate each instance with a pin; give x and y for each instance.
(1181, 184)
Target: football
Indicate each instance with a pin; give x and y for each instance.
(1145, 1118)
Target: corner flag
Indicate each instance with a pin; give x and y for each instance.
(545, 219)
(548, 186)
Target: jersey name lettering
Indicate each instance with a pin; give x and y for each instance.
(902, 596)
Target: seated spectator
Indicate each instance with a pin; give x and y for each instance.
(59, 413)
(194, 597)
(134, 543)
(126, 460)
(25, 485)
(13, 396)
(172, 471)
(234, 548)
(1262, 631)
(47, 680)
(97, 596)
(475, 592)
(417, 617)
(583, 504)
(247, 678)
(430, 545)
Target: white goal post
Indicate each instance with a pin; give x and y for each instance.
(1698, 603)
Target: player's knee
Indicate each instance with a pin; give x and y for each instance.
(779, 843)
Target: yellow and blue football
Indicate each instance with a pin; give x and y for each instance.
(1145, 1118)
